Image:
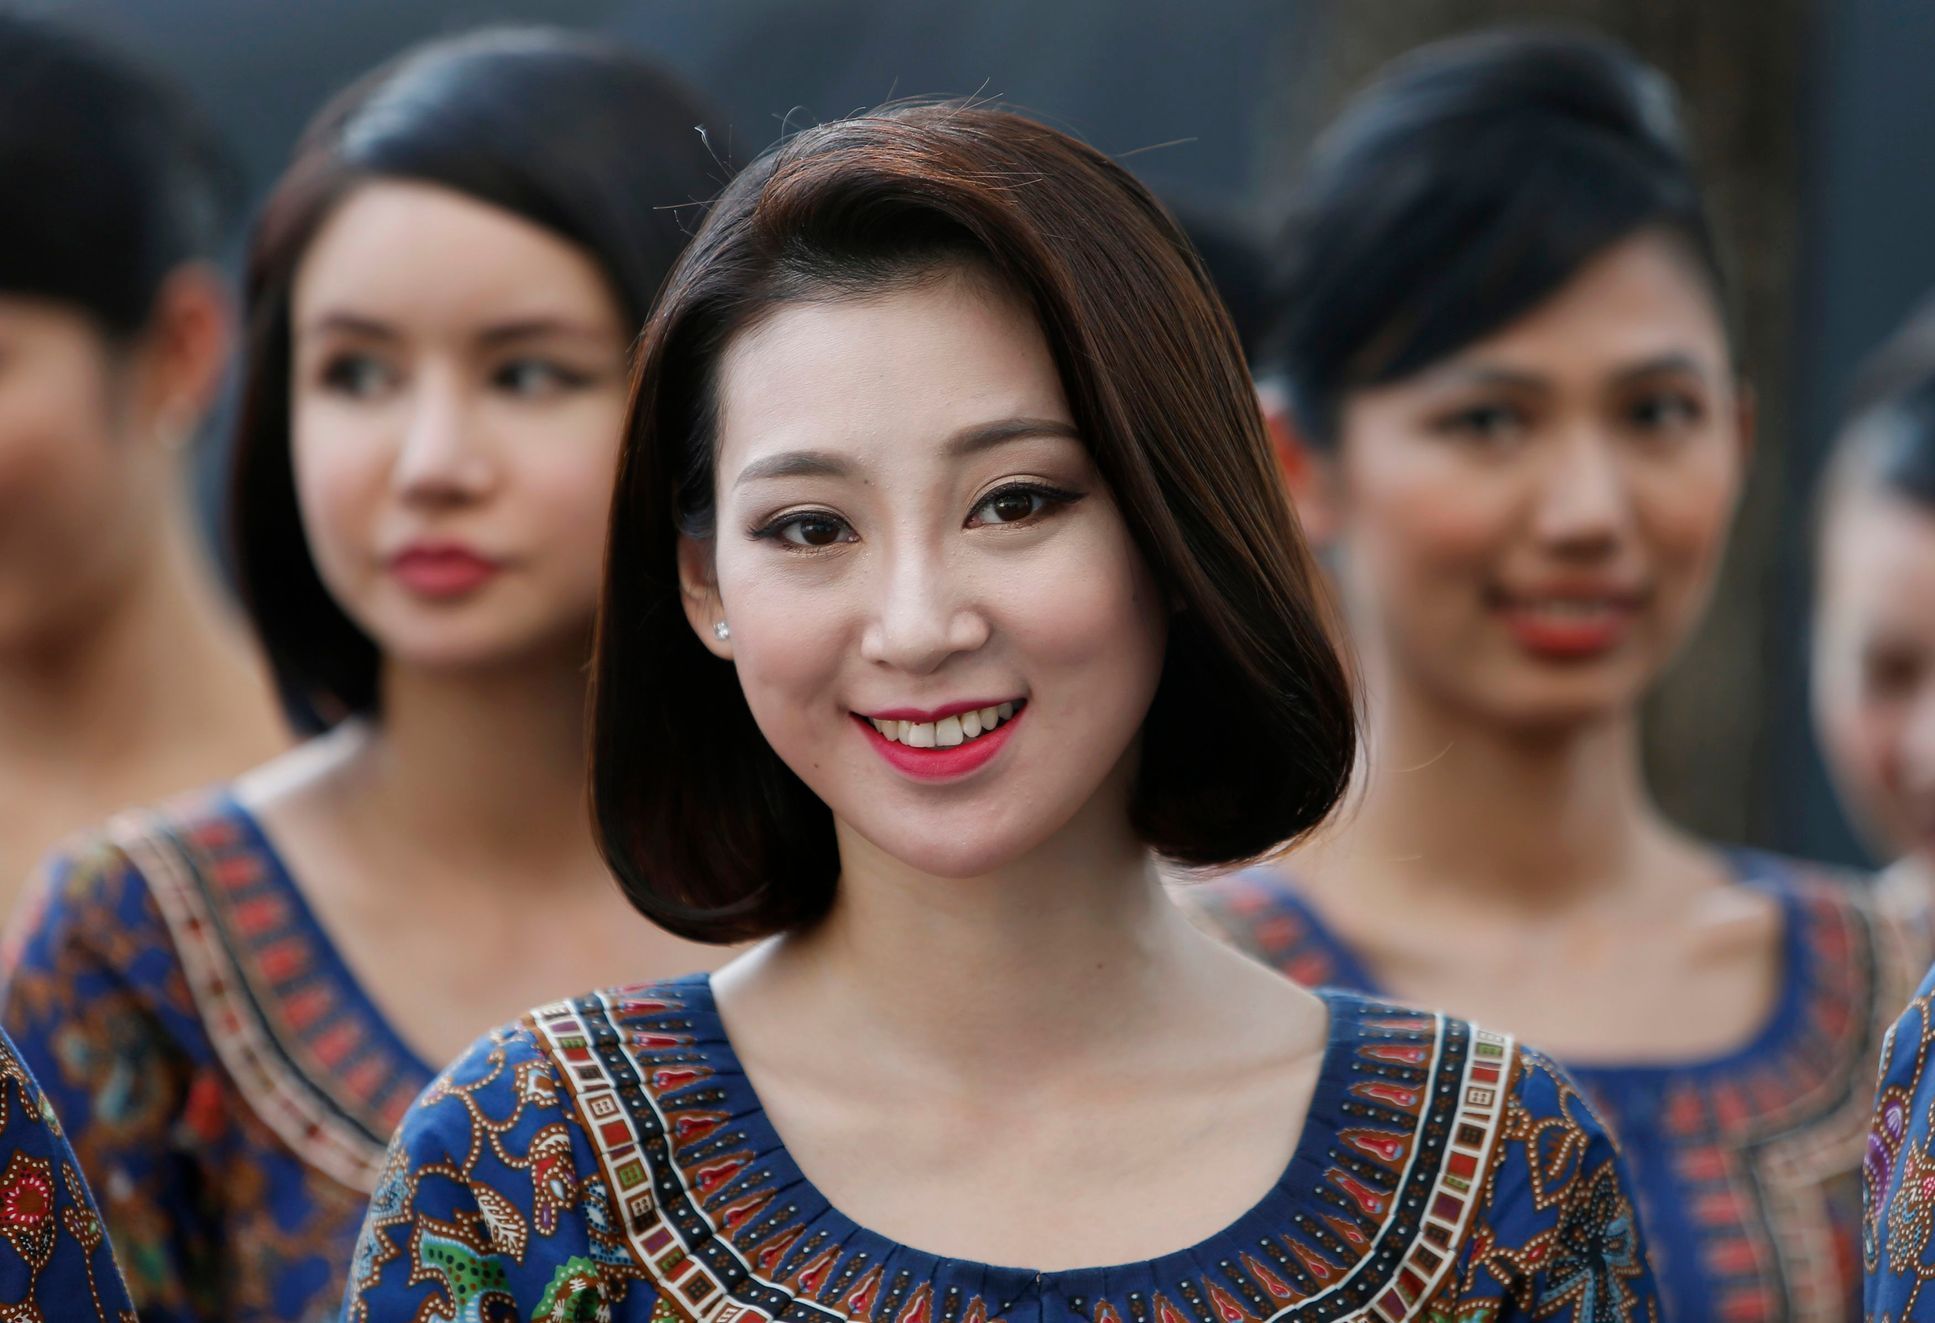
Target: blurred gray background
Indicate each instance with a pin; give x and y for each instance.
(1814, 120)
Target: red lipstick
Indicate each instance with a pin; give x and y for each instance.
(1579, 624)
(442, 571)
(939, 764)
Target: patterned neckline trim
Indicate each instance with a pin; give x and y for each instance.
(296, 1031)
(1381, 1188)
(1809, 993)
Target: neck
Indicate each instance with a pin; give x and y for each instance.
(1057, 956)
(158, 669)
(1525, 820)
(486, 767)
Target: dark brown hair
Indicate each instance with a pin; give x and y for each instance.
(1251, 736)
(587, 140)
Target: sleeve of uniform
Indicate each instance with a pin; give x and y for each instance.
(1558, 1236)
(56, 1261)
(97, 1004)
(491, 1206)
(1898, 1176)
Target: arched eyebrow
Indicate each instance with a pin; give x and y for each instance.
(1677, 361)
(985, 436)
(968, 441)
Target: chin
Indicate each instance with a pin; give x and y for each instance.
(456, 647)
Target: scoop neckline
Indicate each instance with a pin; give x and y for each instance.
(1770, 1036)
(337, 967)
(1275, 1210)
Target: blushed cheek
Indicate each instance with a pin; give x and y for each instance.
(1094, 624)
(339, 478)
(792, 645)
(1420, 555)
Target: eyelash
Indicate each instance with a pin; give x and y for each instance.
(359, 375)
(1053, 498)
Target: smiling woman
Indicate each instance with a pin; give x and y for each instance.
(944, 451)
(1519, 429)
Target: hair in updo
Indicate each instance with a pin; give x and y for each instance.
(1472, 180)
(111, 178)
(1887, 442)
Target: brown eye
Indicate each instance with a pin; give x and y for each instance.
(1012, 505)
(814, 530)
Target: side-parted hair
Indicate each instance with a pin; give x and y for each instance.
(587, 140)
(1469, 182)
(1250, 739)
(111, 178)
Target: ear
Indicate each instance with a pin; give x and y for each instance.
(699, 594)
(185, 350)
(1746, 410)
(1308, 474)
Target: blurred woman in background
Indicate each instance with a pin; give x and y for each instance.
(1521, 429)
(125, 672)
(1874, 711)
(234, 998)
(1874, 621)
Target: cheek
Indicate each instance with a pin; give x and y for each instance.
(1091, 611)
(342, 467)
(57, 442)
(561, 482)
(1686, 509)
(1419, 534)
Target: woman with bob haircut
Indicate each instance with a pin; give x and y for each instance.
(943, 447)
(233, 999)
(1521, 431)
(126, 673)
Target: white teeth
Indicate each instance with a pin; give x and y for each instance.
(948, 731)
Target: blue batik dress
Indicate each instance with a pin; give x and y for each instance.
(1746, 1166)
(605, 1158)
(228, 1086)
(56, 1265)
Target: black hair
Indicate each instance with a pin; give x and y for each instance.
(585, 139)
(112, 178)
(1888, 440)
(1468, 183)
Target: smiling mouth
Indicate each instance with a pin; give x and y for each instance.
(949, 731)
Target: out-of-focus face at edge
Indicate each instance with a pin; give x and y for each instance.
(1532, 526)
(458, 388)
(937, 613)
(1874, 665)
(88, 429)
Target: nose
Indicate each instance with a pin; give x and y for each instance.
(1583, 502)
(442, 459)
(926, 614)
